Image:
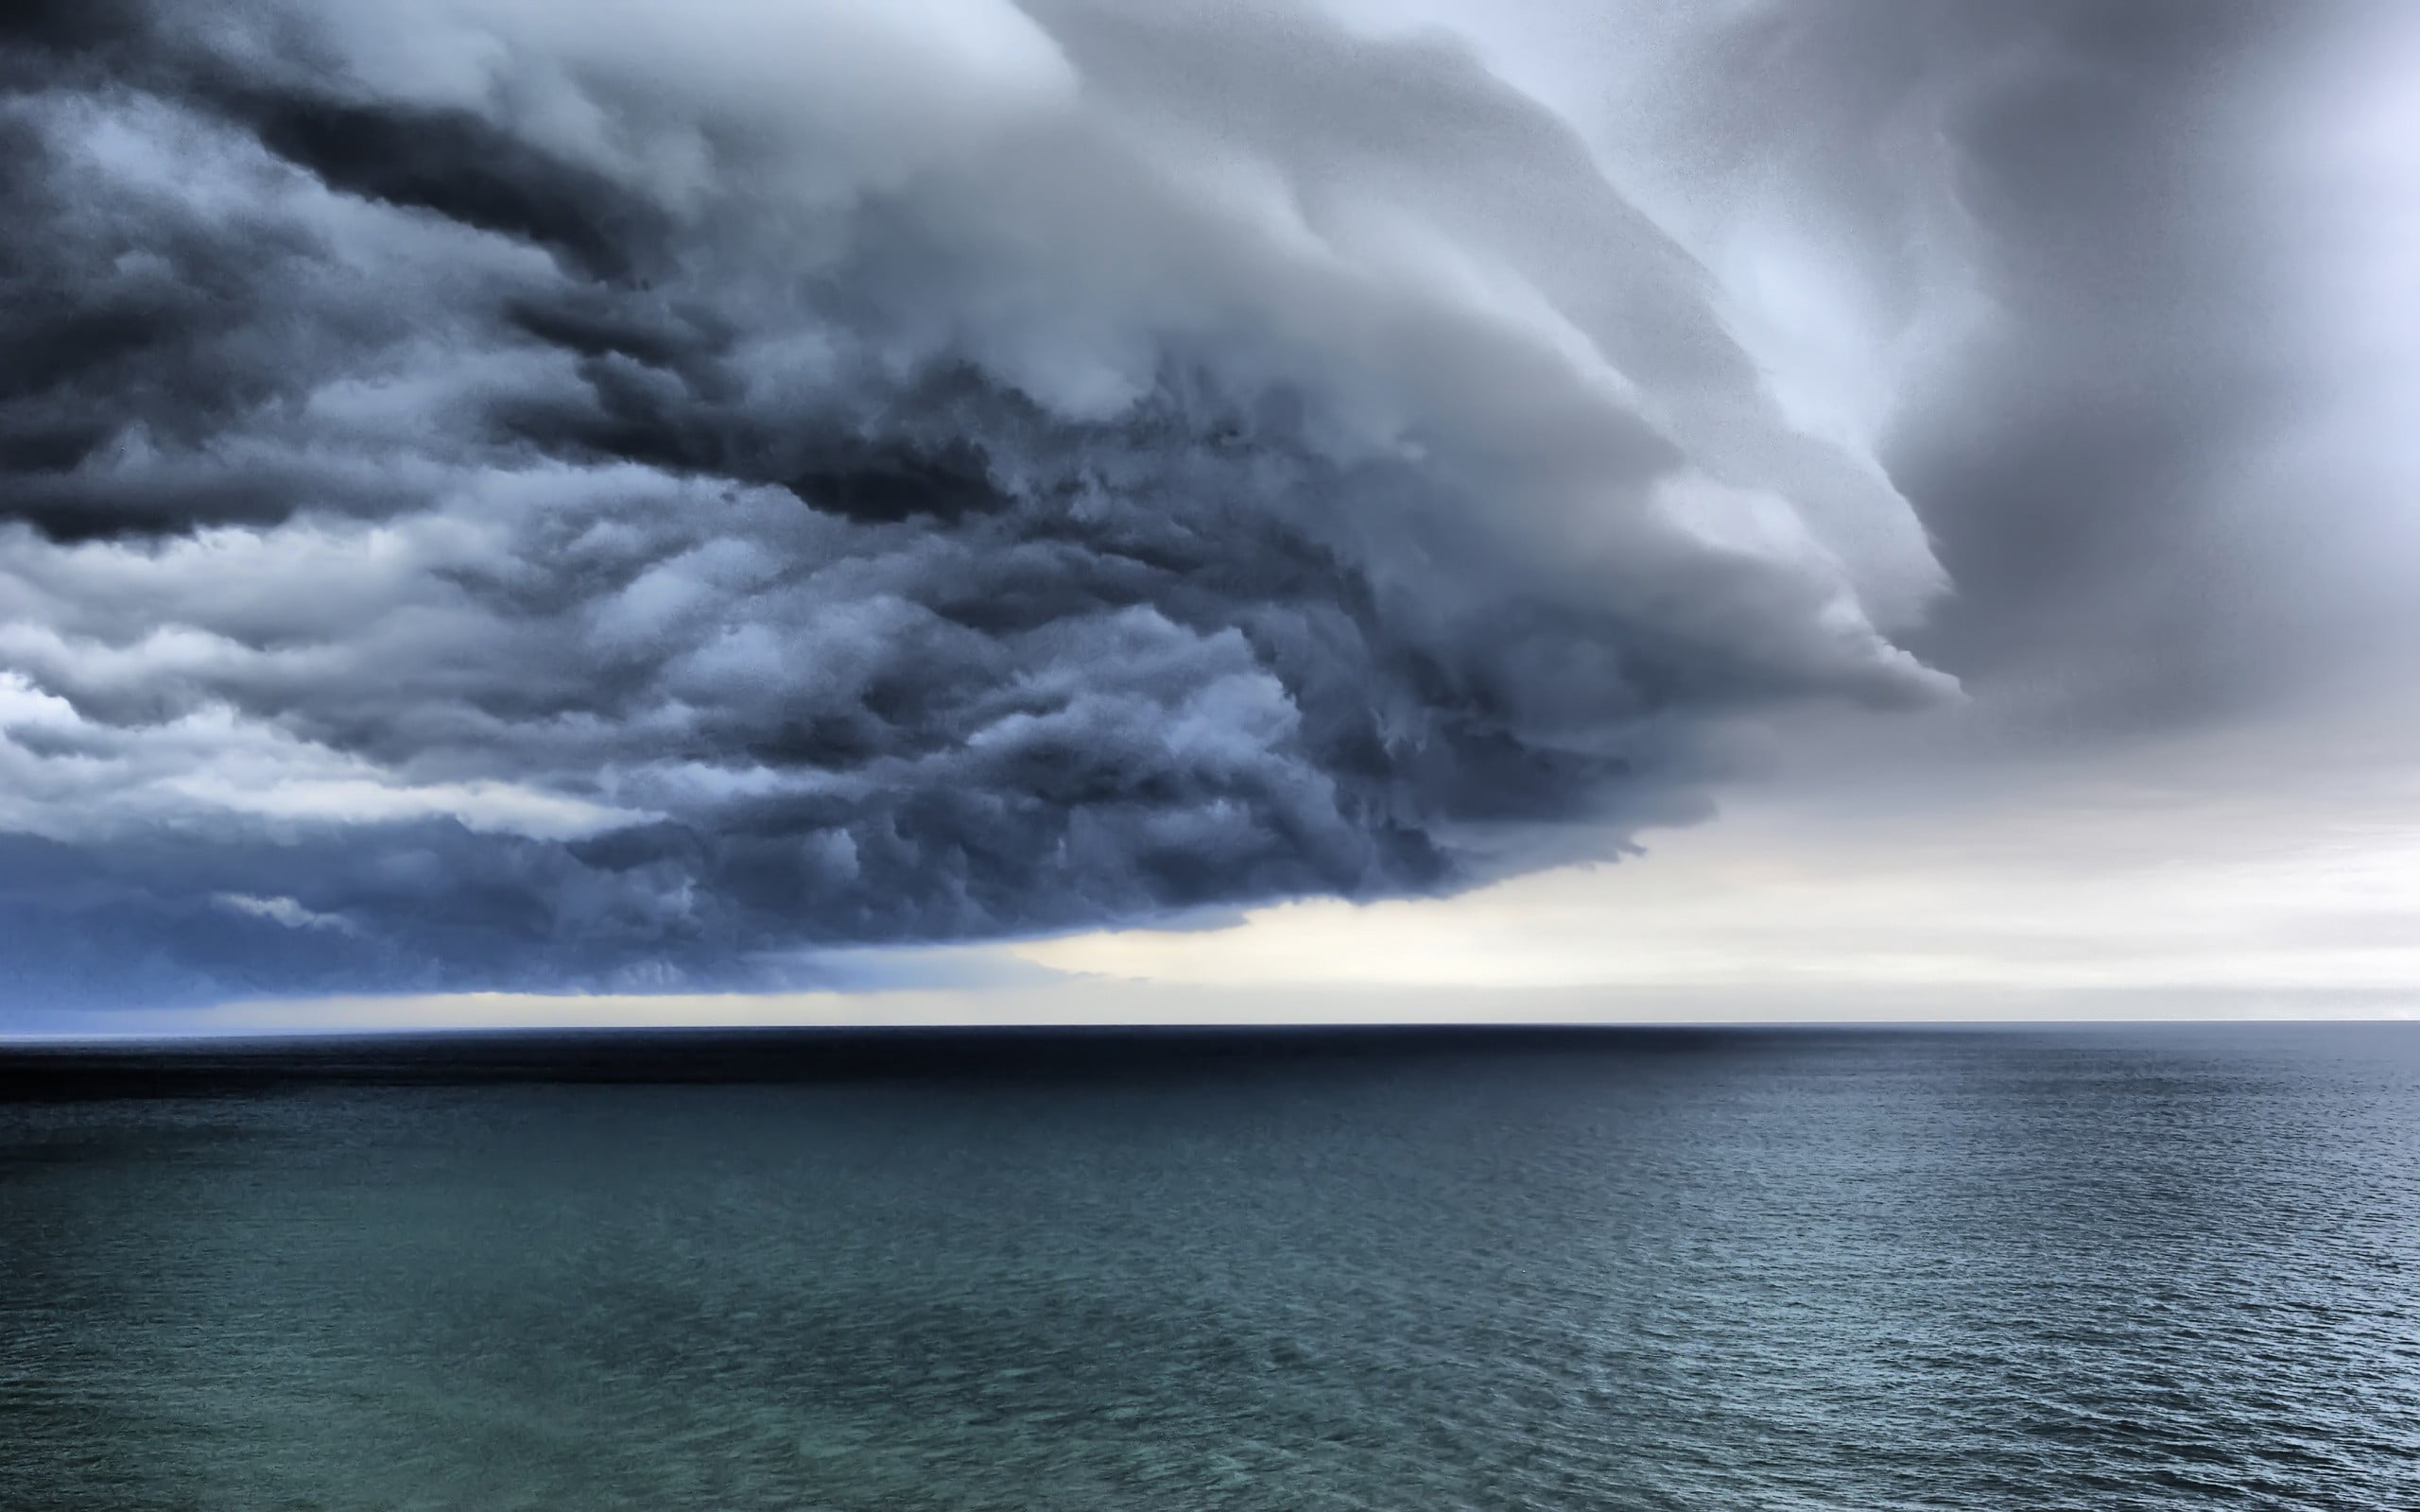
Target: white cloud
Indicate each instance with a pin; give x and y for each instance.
(284, 911)
(70, 778)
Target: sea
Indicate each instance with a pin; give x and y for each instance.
(2076, 1268)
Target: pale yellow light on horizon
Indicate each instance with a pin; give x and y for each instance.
(2085, 894)
(1762, 902)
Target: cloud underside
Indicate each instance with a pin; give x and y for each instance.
(551, 494)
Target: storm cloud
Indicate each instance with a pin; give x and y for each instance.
(626, 494)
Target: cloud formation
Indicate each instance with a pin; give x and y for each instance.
(619, 494)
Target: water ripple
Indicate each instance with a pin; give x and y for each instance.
(2090, 1270)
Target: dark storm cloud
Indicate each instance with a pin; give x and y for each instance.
(539, 495)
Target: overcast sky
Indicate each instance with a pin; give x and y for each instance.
(615, 511)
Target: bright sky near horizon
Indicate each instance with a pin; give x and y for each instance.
(2093, 894)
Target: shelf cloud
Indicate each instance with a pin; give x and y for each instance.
(578, 494)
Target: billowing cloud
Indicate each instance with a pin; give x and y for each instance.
(545, 493)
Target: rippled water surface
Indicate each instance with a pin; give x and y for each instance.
(2103, 1269)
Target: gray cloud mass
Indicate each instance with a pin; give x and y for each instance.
(619, 494)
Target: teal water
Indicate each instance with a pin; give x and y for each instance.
(1854, 1271)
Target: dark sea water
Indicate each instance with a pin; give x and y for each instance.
(2087, 1269)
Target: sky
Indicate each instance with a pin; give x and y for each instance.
(618, 512)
